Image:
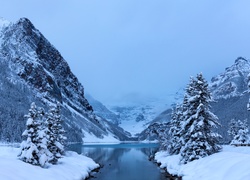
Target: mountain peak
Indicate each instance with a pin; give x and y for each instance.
(26, 24)
(241, 65)
(34, 70)
(232, 82)
(240, 60)
(25, 21)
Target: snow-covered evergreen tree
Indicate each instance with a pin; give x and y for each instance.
(51, 138)
(248, 84)
(34, 148)
(29, 150)
(240, 132)
(55, 133)
(158, 131)
(233, 128)
(175, 131)
(161, 130)
(198, 122)
(58, 128)
(43, 134)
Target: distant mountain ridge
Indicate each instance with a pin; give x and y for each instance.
(31, 64)
(133, 116)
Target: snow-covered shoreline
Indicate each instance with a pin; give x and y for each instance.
(71, 167)
(231, 163)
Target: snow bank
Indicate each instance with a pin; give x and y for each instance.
(232, 163)
(70, 167)
(90, 138)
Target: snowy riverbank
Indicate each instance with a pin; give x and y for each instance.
(70, 167)
(231, 163)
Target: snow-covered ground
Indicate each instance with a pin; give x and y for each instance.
(70, 167)
(231, 163)
(90, 138)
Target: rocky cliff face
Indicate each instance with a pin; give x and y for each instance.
(232, 82)
(36, 65)
(37, 62)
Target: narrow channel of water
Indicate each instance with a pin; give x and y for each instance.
(123, 161)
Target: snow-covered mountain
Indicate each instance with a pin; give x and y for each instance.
(232, 82)
(133, 112)
(230, 93)
(136, 117)
(33, 70)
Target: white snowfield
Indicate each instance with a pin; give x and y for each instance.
(90, 138)
(70, 167)
(232, 163)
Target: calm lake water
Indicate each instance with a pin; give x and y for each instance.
(122, 161)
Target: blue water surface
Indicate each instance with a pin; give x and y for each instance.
(124, 161)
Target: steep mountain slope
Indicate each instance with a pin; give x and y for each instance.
(102, 111)
(33, 65)
(111, 118)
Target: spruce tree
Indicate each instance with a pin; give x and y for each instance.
(240, 133)
(34, 148)
(248, 84)
(198, 122)
(29, 147)
(29, 150)
(175, 132)
(42, 140)
(158, 131)
(51, 138)
(58, 128)
(55, 133)
(233, 128)
(161, 130)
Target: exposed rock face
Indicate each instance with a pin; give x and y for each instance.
(232, 82)
(39, 67)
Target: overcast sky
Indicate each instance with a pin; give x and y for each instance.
(147, 47)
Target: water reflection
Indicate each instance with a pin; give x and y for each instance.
(123, 161)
